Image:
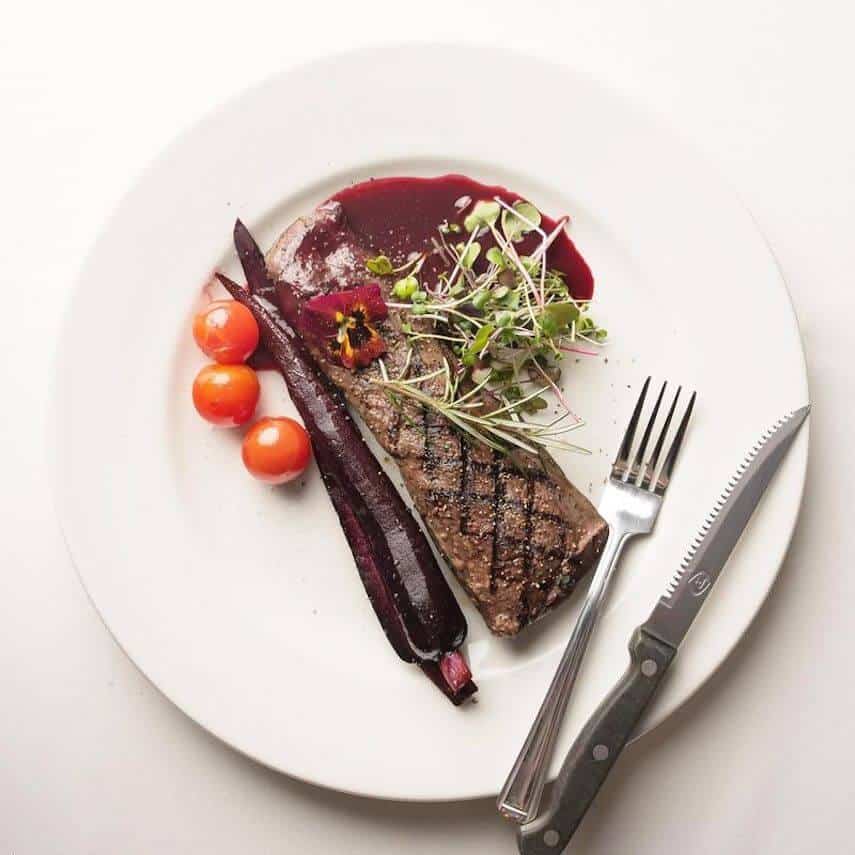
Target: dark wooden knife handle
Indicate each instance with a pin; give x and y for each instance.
(598, 746)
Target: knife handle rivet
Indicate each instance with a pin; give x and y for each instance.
(649, 667)
(600, 752)
(551, 837)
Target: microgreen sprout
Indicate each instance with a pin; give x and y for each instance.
(379, 265)
(500, 428)
(508, 319)
(484, 213)
(406, 287)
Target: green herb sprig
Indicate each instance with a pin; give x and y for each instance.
(509, 326)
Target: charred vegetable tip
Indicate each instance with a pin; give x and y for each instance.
(452, 675)
(257, 278)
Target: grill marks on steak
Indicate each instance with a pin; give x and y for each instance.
(516, 533)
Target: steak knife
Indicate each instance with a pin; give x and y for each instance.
(654, 645)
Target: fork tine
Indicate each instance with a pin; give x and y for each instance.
(671, 457)
(639, 455)
(650, 471)
(621, 464)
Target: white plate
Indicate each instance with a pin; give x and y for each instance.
(240, 602)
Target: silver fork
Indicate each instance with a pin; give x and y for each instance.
(630, 505)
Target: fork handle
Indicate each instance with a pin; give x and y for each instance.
(521, 794)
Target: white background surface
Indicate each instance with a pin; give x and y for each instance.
(92, 758)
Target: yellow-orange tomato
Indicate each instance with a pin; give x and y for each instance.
(226, 331)
(226, 395)
(276, 450)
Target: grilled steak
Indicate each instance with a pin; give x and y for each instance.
(517, 534)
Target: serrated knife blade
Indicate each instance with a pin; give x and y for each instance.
(686, 593)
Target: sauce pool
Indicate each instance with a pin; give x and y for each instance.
(396, 216)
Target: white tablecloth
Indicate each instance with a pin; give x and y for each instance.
(92, 758)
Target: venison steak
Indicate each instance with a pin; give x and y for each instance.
(517, 534)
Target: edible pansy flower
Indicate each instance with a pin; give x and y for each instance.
(345, 322)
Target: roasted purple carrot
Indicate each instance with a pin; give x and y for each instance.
(404, 583)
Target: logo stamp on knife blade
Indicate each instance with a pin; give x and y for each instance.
(700, 583)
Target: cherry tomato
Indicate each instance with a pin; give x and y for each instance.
(226, 331)
(276, 450)
(226, 395)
